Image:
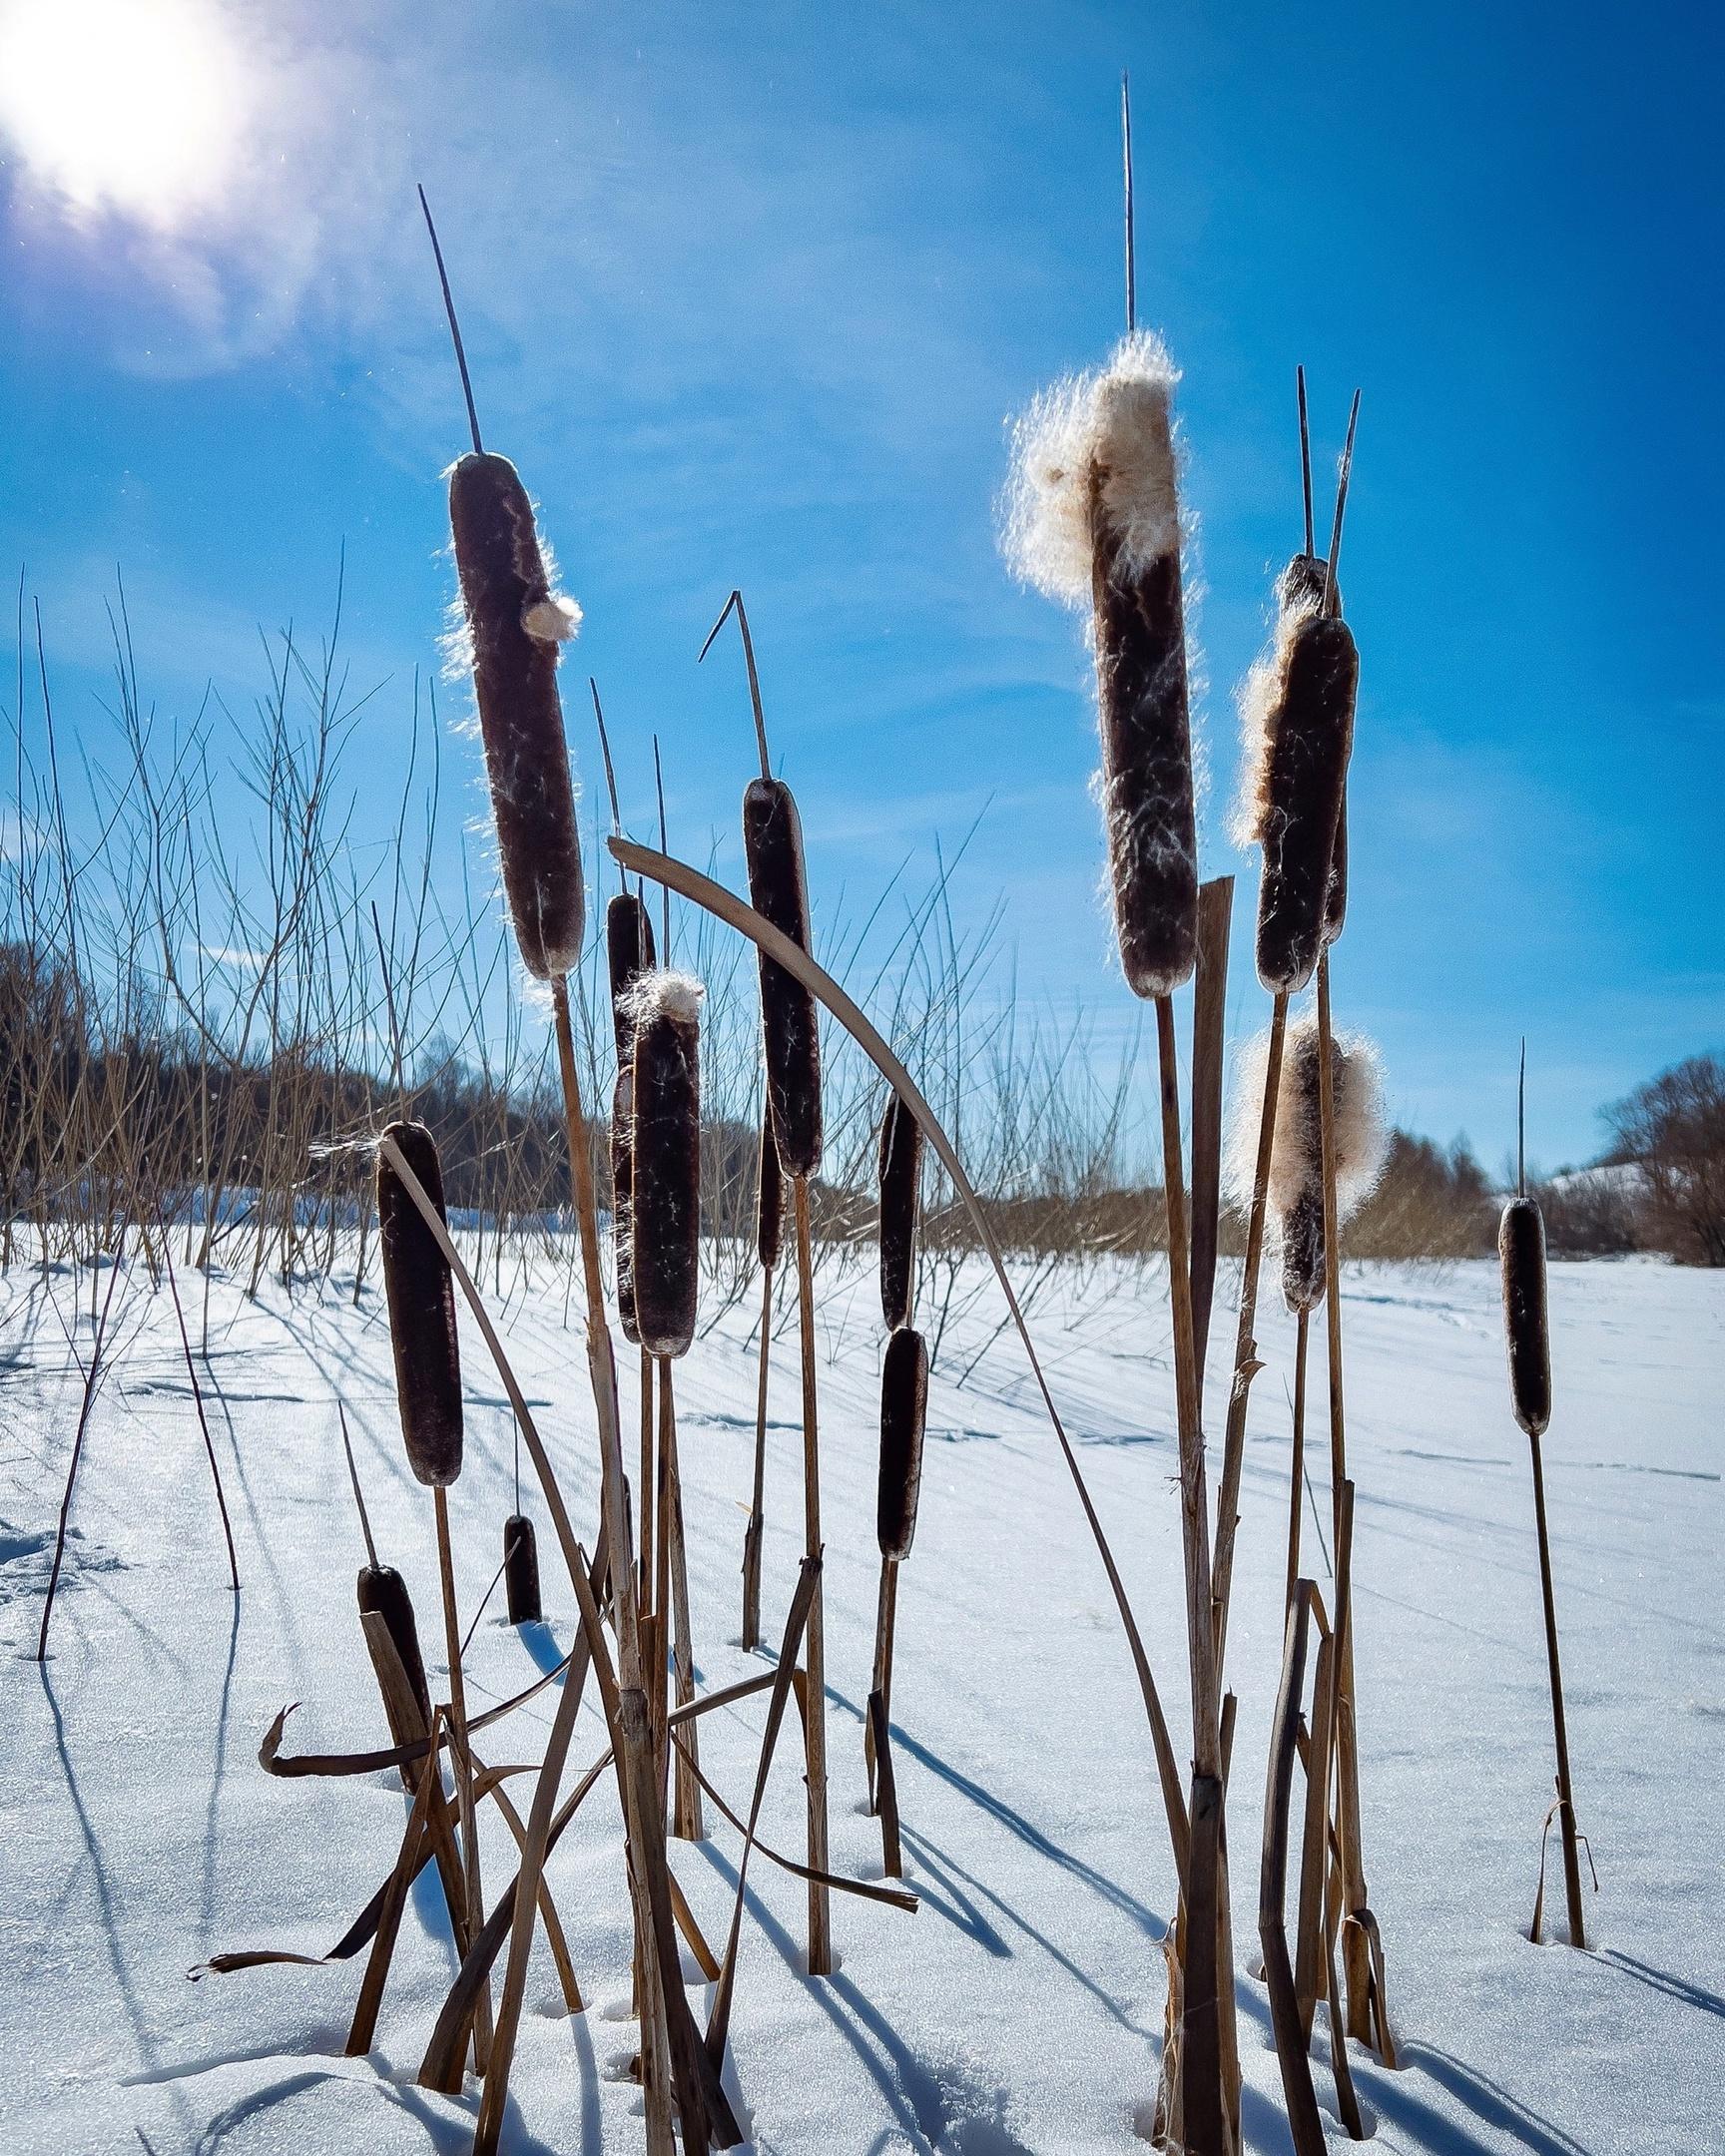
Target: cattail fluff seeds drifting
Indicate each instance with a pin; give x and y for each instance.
(522, 1570)
(665, 1209)
(422, 1300)
(904, 1408)
(1522, 1253)
(1093, 513)
(515, 625)
(779, 890)
(901, 1186)
(383, 1590)
(1296, 1185)
(629, 953)
(768, 1198)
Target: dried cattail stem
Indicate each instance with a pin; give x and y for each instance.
(769, 1225)
(900, 1197)
(1208, 1016)
(814, 1650)
(623, 1196)
(665, 1205)
(1526, 1328)
(516, 626)
(522, 1571)
(778, 888)
(422, 1300)
(463, 1762)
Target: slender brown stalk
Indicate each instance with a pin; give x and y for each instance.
(754, 1533)
(1565, 1799)
(92, 1384)
(1296, 1475)
(1209, 1012)
(813, 1645)
(1303, 2119)
(464, 1766)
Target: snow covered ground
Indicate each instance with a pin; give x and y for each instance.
(1020, 2008)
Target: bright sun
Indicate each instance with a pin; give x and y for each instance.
(133, 105)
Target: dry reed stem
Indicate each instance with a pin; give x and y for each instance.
(813, 1645)
(1303, 2119)
(1566, 1799)
(686, 1813)
(1354, 1953)
(1246, 1364)
(1297, 1474)
(464, 1766)
(724, 906)
(363, 2026)
(755, 1533)
(1209, 1012)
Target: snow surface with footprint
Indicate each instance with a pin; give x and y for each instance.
(1021, 2007)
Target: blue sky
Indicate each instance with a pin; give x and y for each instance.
(750, 294)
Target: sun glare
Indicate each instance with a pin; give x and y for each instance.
(132, 106)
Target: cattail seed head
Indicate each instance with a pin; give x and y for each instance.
(768, 1198)
(422, 1299)
(665, 1211)
(904, 1408)
(779, 890)
(383, 1590)
(1295, 1187)
(629, 952)
(1522, 1253)
(900, 1191)
(515, 625)
(1093, 513)
(1302, 770)
(623, 1191)
(522, 1570)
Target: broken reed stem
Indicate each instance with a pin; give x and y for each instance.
(197, 1403)
(1245, 1341)
(813, 1647)
(463, 1768)
(757, 1528)
(1356, 1955)
(1566, 1799)
(884, 1616)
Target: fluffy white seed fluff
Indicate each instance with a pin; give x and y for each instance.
(1257, 697)
(663, 993)
(1362, 1139)
(1095, 445)
(552, 620)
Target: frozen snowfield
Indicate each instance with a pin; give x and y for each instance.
(1020, 2008)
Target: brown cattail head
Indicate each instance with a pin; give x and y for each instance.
(629, 950)
(665, 1213)
(1521, 1253)
(903, 1406)
(1093, 513)
(1309, 736)
(768, 1198)
(422, 1299)
(522, 1570)
(623, 1190)
(1300, 591)
(778, 889)
(900, 1190)
(383, 1590)
(1295, 1187)
(515, 625)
